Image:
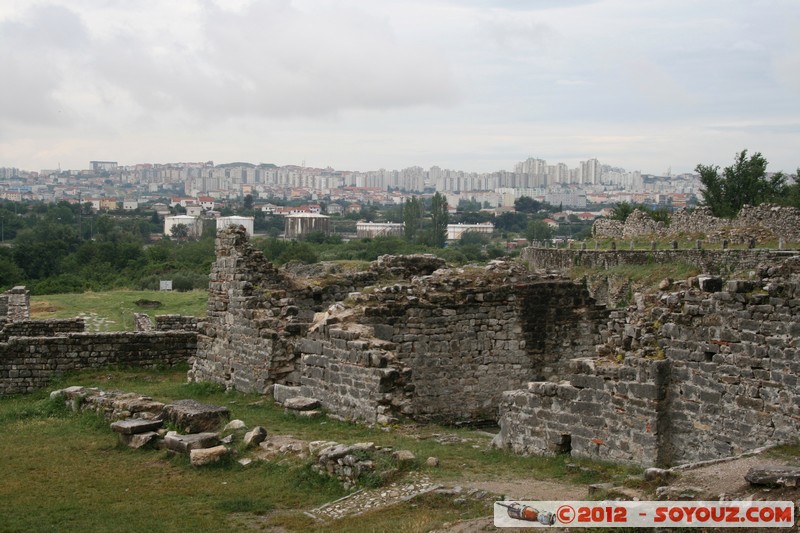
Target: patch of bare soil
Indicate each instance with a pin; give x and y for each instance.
(726, 481)
(42, 307)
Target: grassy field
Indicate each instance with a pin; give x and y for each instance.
(113, 310)
(65, 472)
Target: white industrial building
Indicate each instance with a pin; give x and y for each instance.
(193, 224)
(370, 230)
(247, 222)
(455, 231)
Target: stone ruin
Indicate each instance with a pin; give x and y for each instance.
(406, 338)
(765, 222)
(703, 369)
(32, 352)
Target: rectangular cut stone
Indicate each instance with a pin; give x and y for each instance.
(186, 443)
(194, 417)
(132, 426)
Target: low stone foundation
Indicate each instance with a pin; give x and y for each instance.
(29, 363)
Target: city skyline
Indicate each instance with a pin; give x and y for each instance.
(474, 85)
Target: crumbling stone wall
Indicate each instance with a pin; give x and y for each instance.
(443, 347)
(176, 323)
(257, 313)
(15, 304)
(763, 223)
(604, 410)
(246, 340)
(712, 261)
(29, 363)
(40, 328)
(429, 343)
(701, 372)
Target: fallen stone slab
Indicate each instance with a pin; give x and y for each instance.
(301, 403)
(194, 441)
(780, 476)
(138, 440)
(206, 456)
(191, 416)
(132, 426)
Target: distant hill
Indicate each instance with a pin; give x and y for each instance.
(235, 164)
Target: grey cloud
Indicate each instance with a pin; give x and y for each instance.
(36, 52)
(274, 60)
(512, 31)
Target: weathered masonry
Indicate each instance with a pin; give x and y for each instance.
(32, 352)
(703, 369)
(423, 341)
(690, 374)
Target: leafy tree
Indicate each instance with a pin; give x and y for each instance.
(248, 203)
(743, 183)
(622, 211)
(468, 206)
(439, 219)
(511, 222)
(473, 217)
(473, 238)
(538, 230)
(412, 215)
(179, 232)
(526, 204)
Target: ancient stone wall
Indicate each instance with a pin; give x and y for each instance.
(41, 328)
(19, 304)
(763, 223)
(352, 377)
(444, 347)
(424, 342)
(29, 363)
(15, 304)
(716, 374)
(604, 410)
(176, 323)
(711, 261)
(256, 316)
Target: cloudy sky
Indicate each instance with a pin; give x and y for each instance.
(473, 85)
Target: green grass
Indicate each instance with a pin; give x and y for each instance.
(113, 310)
(66, 472)
(650, 274)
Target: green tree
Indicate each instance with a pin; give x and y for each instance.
(622, 211)
(412, 216)
(538, 230)
(468, 206)
(511, 222)
(439, 219)
(526, 204)
(743, 183)
(179, 232)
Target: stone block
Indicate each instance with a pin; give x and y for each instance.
(138, 440)
(192, 416)
(133, 426)
(786, 476)
(281, 393)
(300, 403)
(186, 443)
(206, 456)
